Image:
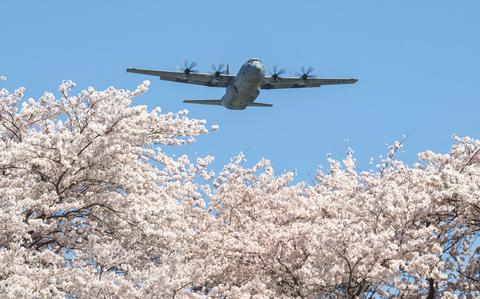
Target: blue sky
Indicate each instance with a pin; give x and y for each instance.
(417, 62)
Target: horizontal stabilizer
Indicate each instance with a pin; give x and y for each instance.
(255, 104)
(205, 102)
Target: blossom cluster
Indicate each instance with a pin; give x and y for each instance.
(91, 206)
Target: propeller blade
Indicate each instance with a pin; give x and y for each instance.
(188, 67)
(305, 74)
(218, 69)
(276, 73)
(302, 69)
(214, 67)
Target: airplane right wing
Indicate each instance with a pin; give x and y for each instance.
(299, 82)
(221, 80)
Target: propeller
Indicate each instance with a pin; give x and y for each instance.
(218, 69)
(276, 73)
(187, 67)
(305, 73)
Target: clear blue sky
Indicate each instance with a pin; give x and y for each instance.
(418, 65)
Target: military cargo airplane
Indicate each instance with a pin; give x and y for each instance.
(244, 88)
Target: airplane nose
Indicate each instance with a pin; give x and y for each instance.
(257, 65)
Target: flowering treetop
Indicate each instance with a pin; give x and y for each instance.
(91, 206)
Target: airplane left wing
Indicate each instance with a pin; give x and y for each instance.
(221, 80)
(299, 82)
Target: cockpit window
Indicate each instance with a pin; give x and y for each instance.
(252, 60)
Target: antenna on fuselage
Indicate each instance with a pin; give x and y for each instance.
(228, 69)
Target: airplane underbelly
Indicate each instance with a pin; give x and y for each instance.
(235, 102)
(248, 87)
(241, 96)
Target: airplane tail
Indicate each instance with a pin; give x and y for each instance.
(220, 103)
(255, 104)
(205, 102)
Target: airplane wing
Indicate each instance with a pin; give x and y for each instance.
(205, 79)
(298, 82)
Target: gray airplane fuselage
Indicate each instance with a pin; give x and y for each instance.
(245, 88)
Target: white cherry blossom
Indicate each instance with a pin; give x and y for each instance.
(92, 207)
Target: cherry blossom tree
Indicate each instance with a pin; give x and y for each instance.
(93, 207)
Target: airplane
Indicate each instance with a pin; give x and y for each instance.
(241, 89)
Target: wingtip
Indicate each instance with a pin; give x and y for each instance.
(130, 70)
